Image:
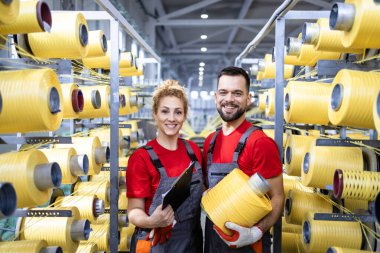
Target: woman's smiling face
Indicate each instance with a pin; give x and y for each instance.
(170, 115)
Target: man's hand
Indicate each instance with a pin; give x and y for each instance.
(241, 236)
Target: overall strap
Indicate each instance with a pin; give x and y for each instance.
(189, 151)
(242, 141)
(211, 148)
(154, 158)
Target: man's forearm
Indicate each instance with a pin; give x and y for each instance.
(270, 219)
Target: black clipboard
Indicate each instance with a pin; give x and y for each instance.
(180, 189)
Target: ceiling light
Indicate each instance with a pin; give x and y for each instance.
(201, 73)
(200, 78)
(203, 36)
(202, 64)
(204, 49)
(201, 68)
(200, 83)
(204, 16)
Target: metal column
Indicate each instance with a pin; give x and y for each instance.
(279, 112)
(114, 128)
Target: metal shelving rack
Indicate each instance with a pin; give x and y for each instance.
(279, 91)
(116, 21)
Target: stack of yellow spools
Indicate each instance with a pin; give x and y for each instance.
(34, 100)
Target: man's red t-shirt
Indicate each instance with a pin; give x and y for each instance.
(143, 178)
(260, 153)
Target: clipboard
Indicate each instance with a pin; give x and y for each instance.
(180, 189)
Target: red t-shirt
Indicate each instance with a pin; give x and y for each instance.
(143, 178)
(260, 153)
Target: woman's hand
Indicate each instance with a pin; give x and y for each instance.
(162, 218)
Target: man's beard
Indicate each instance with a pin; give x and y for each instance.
(230, 117)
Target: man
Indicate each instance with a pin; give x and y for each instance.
(238, 144)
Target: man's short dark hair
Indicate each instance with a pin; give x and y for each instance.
(235, 71)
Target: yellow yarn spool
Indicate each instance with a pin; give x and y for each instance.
(126, 60)
(56, 231)
(133, 123)
(308, 56)
(68, 37)
(262, 100)
(260, 76)
(345, 250)
(294, 183)
(269, 68)
(366, 25)
(105, 219)
(102, 219)
(24, 246)
(101, 62)
(270, 106)
(352, 98)
(320, 163)
(73, 102)
(32, 17)
(19, 168)
(97, 44)
(100, 189)
(100, 235)
(87, 247)
(105, 176)
(270, 133)
(298, 203)
(295, 149)
(31, 101)
(362, 185)
(133, 136)
(241, 206)
(290, 228)
(101, 177)
(319, 235)
(92, 102)
(9, 12)
(89, 111)
(325, 39)
(104, 135)
(291, 243)
(125, 238)
(307, 102)
(63, 157)
(123, 200)
(129, 100)
(354, 205)
(376, 112)
(89, 206)
(131, 71)
(90, 146)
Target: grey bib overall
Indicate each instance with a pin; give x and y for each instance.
(187, 232)
(215, 173)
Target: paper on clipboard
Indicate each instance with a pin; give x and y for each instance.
(180, 189)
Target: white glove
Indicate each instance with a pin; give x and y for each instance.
(241, 236)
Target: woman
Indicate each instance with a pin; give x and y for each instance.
(152, 170)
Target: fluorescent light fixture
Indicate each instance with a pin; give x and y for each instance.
(202, 64)
(204, 16)
(201, 68)
(194, 94)
(200, 78)
(204, 49)
(200, 84)
(203, 36)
